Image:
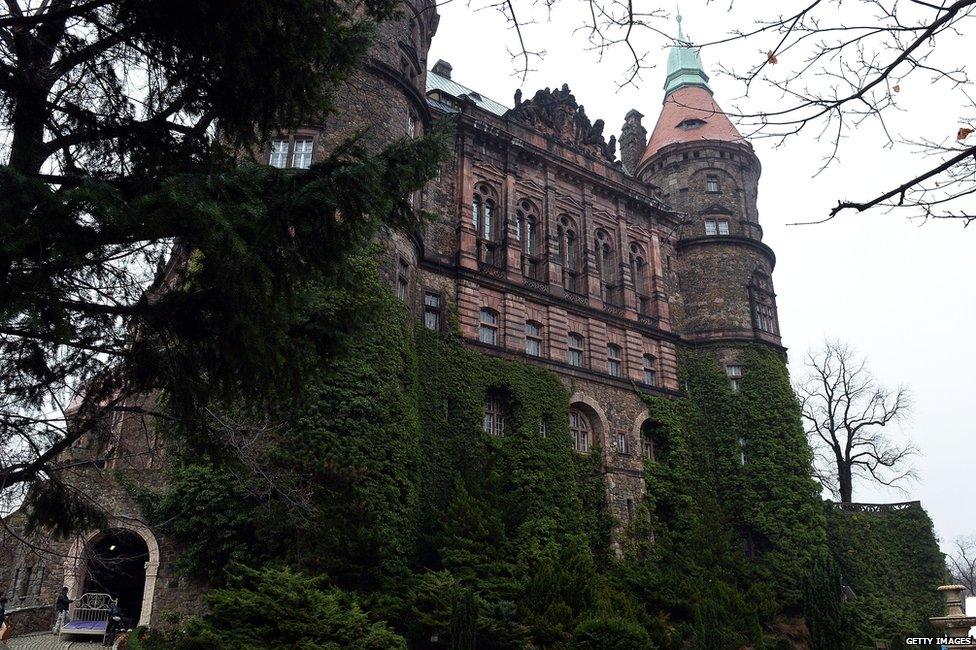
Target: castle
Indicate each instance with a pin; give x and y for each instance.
(547, 248)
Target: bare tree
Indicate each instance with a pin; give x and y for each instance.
(827, 67)
(845, 411)
(962, 562)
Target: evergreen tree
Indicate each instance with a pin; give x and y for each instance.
(139, 252)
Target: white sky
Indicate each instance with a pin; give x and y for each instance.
(901, 292)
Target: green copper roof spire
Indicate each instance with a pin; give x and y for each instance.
(684, 66)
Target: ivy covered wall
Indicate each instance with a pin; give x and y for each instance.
(382, 489)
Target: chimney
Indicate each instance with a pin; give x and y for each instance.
(442, 68)
(633, 140)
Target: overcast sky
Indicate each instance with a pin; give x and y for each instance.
(901, 292)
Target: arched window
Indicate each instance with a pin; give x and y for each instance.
(579, 428)
(604, 247)
(574, 350)
(488, 327)
(486, 222)
(493, 422)
(650, 370)
(638, 271)
(533, 338)
(527, 225)
(607, 266)
(568, 248)
(613, 360)
(653, 445)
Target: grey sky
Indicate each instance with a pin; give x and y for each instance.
(901, 292)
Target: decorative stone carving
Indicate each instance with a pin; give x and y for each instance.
(556, 113)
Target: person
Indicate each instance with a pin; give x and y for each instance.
(114, 623)
(61, 610)
(4, 625)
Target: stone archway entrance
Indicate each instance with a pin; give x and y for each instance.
(115, 563)
(122, 560)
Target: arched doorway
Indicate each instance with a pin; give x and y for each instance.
(115, 563)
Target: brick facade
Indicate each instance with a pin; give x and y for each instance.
(619, 254)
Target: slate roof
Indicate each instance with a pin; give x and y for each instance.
(453, 88)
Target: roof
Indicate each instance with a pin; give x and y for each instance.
(453, 88)
(690, 114)
(684, 66)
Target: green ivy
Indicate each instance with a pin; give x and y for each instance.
(456, 538)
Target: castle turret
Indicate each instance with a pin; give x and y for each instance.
(706, 169)
(633, 141)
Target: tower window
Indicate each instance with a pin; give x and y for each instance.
(302, 158)
(715, 227)
(652, 441)
(488, 328)
(279, 154)
(403, 270)
(494, 421)
(711, 184)
(288, 153)
(742, 450)
(734, 373)
(574, 350)
(613, 360)
(650, 374)
(533, 338)
(544, 427)
(579, 428)
(432, 311)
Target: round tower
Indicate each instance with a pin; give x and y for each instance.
(707, 170)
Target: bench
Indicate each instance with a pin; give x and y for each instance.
(89, 615)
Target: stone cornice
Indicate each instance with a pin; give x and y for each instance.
(730, 240)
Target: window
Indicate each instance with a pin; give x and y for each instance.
(533, 338)
(494, 421)
(734, 374)
(566, 248)
(279, 153)
(574, 355)
(483, 213)
(652, 441)
(544, 427)
(527, 227)
(630, 510)
(742, 450)
(25, 583)
(302, 158)
(765, 317)
(579, 428)
(411, 125)
(650, 372)
(638, 270)
(689, 124)
(716, 227)
(711, 184)
(622, 446)
(432, 311)
(613, 360)
(300, 153)
(403, 279)
(488, 329)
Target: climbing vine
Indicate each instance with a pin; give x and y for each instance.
(388, 493)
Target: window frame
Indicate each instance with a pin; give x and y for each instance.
(712, 184)
(615, 364)
(488, 327)
(533, 338)
(573, 338)
(403, 279)
(432, 310)
(734, 373)
(580, 430)
(493, 421)
(291, 151)
(648, 365)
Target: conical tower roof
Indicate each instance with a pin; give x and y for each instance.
(690, 113)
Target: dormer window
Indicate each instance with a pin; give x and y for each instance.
(691, 124)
